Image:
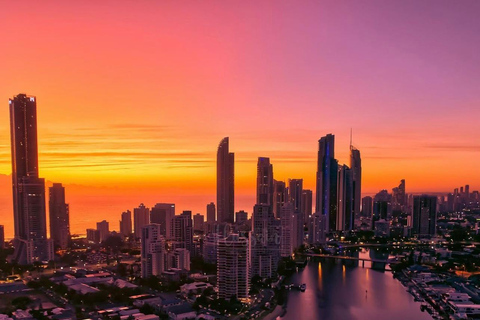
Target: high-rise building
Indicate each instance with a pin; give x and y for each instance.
(103, 229)
(182, 230)
(345, 197)
(162, 214)
(327, 170)
(2, 237)
(141, 217)
(356, 167)
(211, 212)
(367, 206)
(31, 243)
(399, 197)
(241, 217)
(264, 242)
(225, 182)
(382, 206)
(182, 258)
(153, 251)
(59, 216)
(198, 221)
(424, 215)
(280, 197)
(286, 230)
(93, 235)
(317, 231)
(264, 182)
(126, 223)
(307, 196)
(295, 192)
(233, 276)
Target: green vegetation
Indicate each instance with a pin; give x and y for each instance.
(199, 265)
(21, 302)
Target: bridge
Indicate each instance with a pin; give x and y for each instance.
(346, 258)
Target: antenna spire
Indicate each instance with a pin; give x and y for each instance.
(351, 133)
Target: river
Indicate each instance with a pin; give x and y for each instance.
(348, 292)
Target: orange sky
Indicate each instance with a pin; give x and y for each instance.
(133, 97)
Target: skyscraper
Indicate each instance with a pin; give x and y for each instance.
(126, 223)
(2, 237)
(162, 214)
(141, 217)
(295, 192)
(225, 183)
(326, 193)
(356, 167)
(399, 197)
(233, 276)
(367, 206)
(280, 196)
(182, 230)
(59, 216)
(31, 243)
(264, 242)
(103, 229)
(241, 217)
(153, 251)
(286, 230)
(424, 215)
(211, 212)
(345, 216)
(198, 220)
(382, 206)
(307, 196)
(264, 182)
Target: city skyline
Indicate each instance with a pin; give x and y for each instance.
(198, 86)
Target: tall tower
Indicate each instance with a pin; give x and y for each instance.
(280, 197)
(424, 215)
(153, 251)
(162, 214)
(126, 223)
(233, 270)
(264, 240)
(225, 183)
(345, 216)
(264, 182)
(59, 216)
(141, 217)
(31, 243)
(356, 167)
(326, 193)
(211, 212)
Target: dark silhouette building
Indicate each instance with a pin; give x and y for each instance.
(162, 214)
(59, 216)
(31, 243)
(280, 197)
(225, 183)
(126, 223)
(424, 215)
(326, 193)
(356, 167)
(211, 213)
(264, 182)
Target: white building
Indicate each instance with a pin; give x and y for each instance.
(233, 276)
(153, 251)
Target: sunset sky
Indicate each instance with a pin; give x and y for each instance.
(133, 97)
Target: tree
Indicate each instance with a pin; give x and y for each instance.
(21, 302)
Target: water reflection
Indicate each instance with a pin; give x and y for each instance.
(337, 290)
